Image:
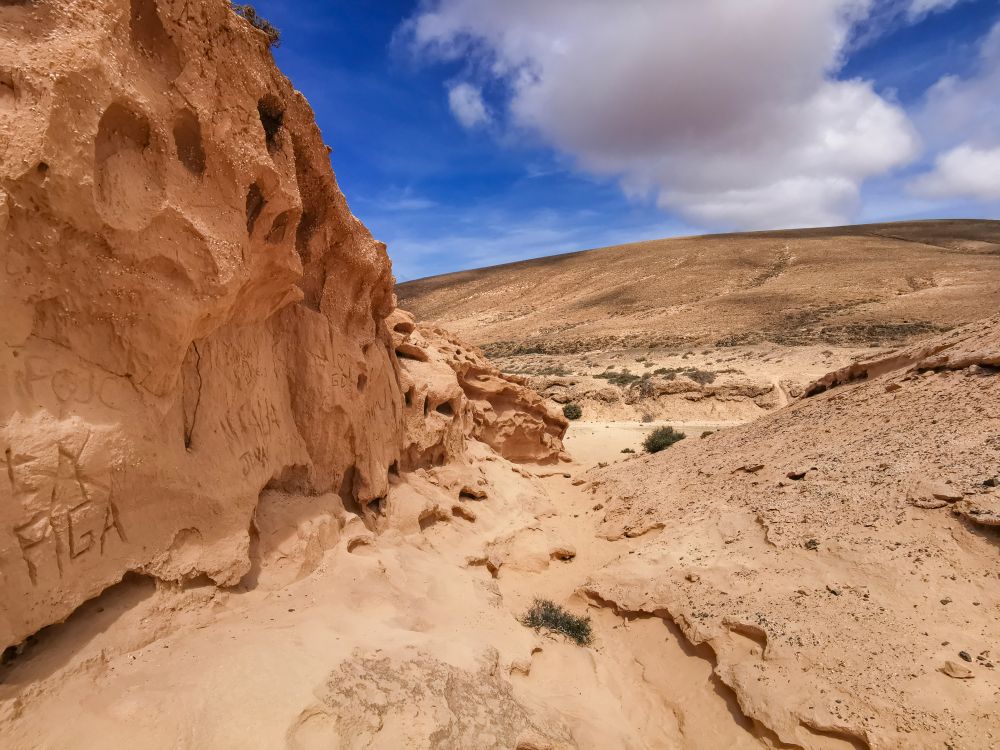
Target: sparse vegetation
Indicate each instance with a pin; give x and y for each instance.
(554, 370)
(647, 418)
(627, 450)
(661, 438)
(703, 377)
(622, 379)
(545, 613)
(260, 23)
(572, 411)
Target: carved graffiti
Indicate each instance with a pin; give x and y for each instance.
(342, 370)
(254, 457)
(260, 417)
(380, 398)
(69, 385)
(72, 511)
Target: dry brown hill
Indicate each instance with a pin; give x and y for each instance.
(877, 284)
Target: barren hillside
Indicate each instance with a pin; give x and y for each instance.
(879, 284)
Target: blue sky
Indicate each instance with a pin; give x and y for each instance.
(472, 132)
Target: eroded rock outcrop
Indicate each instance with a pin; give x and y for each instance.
(450, 391)
(836, 556)
(190, 313)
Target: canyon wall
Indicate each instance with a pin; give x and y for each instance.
(190, 313)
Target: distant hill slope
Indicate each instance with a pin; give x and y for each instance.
(856, 285)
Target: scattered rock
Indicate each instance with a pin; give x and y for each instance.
(564, 552)
(931, 494)
(957, 671)
(964, 655)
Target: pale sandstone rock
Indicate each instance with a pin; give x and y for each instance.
(192, 320)
(451, 391)
(831, 603)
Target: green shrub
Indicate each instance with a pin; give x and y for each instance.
(702, 377)
(621, 379)
(660, 438)
(545, 613)
(572, 411)
(260, 23)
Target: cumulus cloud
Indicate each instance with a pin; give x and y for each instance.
(466, 102)
(960, 121)
(728, 112)
(965, 172)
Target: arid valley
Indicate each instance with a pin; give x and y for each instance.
(733, 490)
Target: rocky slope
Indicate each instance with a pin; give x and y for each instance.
(718, 328)
(192, 318)
(842, 286)
(839, 556)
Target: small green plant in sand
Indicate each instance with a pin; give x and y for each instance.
(660, 438)
(572, 411)
(545, 613)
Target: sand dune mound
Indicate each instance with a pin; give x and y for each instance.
(839, 556)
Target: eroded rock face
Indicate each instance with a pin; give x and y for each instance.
(837, 556)
(450, 391)
(190, 313)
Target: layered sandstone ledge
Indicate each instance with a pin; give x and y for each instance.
(191, 314)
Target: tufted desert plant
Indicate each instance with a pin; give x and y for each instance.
(545, 613)
(661, 438)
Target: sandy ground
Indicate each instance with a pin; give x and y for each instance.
(353, 654)
(591, 443)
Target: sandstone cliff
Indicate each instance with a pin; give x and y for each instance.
(191, 314)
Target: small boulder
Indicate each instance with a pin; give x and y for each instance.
(957, 671)
(930, 494)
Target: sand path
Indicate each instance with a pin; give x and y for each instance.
(150, 667)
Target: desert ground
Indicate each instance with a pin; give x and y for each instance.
(249, 501)
(735, 324)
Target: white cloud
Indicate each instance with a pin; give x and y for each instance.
(466, 102)
(960, 121)
(965, 172)
(727, 111)
(919, 8)
(966, 108)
